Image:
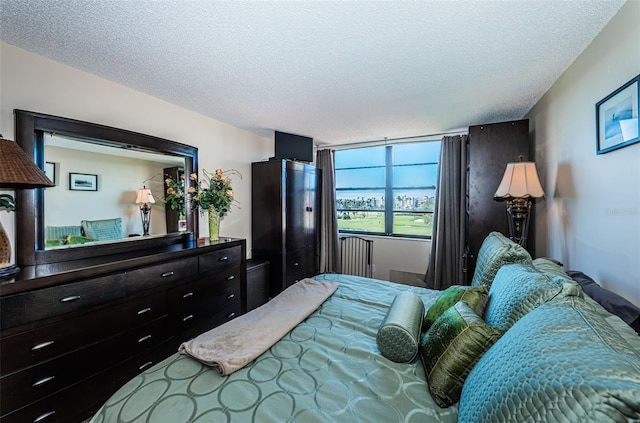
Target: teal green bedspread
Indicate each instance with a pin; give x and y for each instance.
(327, 369)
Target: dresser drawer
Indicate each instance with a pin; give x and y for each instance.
(188, 298)
(19, 309)
(156, 275)
(219, 260)
(34, 383)
(206, 306)
(303, 263)
(46, 342)
(197, 325)
(80, 401)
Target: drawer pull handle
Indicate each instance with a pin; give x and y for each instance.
(144, 310)
(43, 381)
(42, 346)
(145, 365)
(187, 318)
(144, 338)
(231, 315)
(167, 274)
(223, 258)
(230, 278)
(230, 296)
(41, 417)
(70, 298)
(296, 264)
(187, 295)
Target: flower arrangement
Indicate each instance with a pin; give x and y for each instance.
(214, 191)
(175, 195)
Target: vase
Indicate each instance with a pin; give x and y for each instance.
(214, 224)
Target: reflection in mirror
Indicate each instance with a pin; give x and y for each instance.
(31, 129)
(96, 189)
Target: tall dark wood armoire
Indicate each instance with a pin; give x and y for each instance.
(285, 220)
(491, 147)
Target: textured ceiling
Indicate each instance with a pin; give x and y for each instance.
(338, 71)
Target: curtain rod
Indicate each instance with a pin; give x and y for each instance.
(397, 140)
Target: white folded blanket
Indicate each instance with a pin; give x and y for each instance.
(235, 344)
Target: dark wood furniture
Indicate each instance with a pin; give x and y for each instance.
(257, 283)
(30, 130)
(72, 334)
(285, 213)
(491, 147)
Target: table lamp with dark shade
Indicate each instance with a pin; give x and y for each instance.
(520, 184)
(17, 171)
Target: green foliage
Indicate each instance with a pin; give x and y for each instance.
(7, 202)
(214, 191)
(404, 223)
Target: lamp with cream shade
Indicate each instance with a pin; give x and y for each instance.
(17, 171)
(520, 184)
(145, 199)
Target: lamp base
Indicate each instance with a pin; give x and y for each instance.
(8, 272)
(518, 213)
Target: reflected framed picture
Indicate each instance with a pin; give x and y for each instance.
(617, 122)
(50, 171)
(83, 182)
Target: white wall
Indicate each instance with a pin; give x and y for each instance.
(31, 82)
(590, 219)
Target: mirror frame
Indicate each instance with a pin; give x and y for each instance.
(30, 130)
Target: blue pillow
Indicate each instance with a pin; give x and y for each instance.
(518, 289)
(562, 362)
(103, 230)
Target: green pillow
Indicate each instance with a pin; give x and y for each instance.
(74, 239)
(450, 349)
(476, 297)
(496, 251)
(549, 266)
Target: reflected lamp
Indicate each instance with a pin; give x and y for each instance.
(145, 199)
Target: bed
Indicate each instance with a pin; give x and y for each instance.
(328, 368)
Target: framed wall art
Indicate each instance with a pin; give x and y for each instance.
(50, 171)
(617, 122)
(83, 182)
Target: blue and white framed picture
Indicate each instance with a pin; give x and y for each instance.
(617, 122)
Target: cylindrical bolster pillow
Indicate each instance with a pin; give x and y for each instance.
(399, 333)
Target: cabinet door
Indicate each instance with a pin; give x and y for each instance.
(312, 207)
(296, 213)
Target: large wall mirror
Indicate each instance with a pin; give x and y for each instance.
(98, 171)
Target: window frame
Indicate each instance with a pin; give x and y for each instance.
(389, 199)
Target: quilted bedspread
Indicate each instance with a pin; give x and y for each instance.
(327, 369)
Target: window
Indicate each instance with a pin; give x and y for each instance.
(387, 190)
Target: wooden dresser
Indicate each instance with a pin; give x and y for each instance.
(71, 337)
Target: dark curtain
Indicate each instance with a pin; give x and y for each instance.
(329, 252)
(446, 259)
